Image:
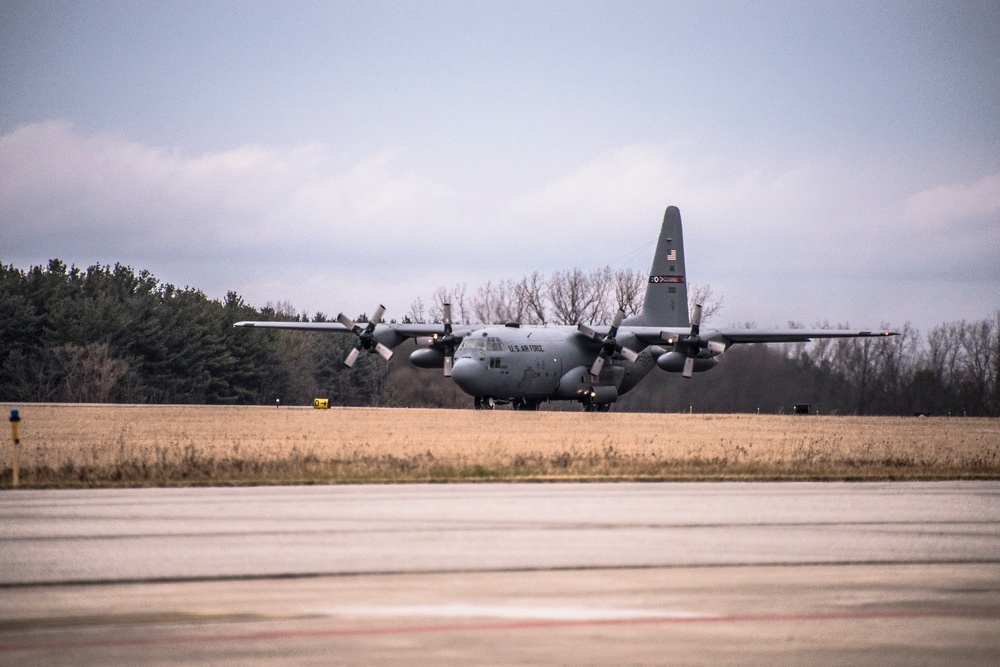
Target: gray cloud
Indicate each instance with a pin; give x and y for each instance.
(329, 231)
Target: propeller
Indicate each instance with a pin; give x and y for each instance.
(692, 344)
(366, 337)
(609, 346)
(446, 343)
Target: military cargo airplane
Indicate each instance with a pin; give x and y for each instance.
(527, 365)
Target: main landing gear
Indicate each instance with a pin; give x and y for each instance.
(484, 403)
(597, 407)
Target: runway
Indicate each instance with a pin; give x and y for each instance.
(714, 573)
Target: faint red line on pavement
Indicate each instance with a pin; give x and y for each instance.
(984, 612)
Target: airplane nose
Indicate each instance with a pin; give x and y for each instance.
(468, 375)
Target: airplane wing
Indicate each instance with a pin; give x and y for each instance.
(697, 347)
(788, 335)
(401, 331)
(658, 335)
(439, 340)
(380, 338)
(319, 326)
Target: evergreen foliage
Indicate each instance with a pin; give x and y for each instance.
(109, 334)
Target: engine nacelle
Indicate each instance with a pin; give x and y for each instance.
(673, 362)
(388, 337)
(427, 358)
(604, 394)
(578, 385)
(574, 383)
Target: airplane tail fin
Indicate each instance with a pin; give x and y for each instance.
(665, 304)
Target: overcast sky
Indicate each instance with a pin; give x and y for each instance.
(832, 161)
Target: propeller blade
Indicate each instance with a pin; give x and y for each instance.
(619, 316)
(384, 351)
(424, 341)
(688, 367)
(448, 363)
(352, 357)
(598, 364)
(377, 317)
(717, 346)
(346, 321)
(631, 355)
(447, 318)
(696, 320)
(587, 331)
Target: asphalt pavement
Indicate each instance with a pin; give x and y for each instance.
(706, 573)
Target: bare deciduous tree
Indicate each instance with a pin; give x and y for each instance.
(531, 291)
(630, 288)
(602, 284)
(484, 303)
(90, 373)
(456, 297)
(573, 296)
(703, 294)
(417, 314)
(508, 303)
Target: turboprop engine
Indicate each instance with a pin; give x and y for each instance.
(692, 353)
(577, 384)
(427, 357)
(673, 362)
(437, 351)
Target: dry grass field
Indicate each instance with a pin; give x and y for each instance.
(118, 445)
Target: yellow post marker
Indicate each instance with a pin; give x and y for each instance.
(15, 420)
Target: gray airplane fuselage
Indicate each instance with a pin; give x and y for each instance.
(531, 364)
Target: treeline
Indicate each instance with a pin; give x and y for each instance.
(109, 334)
(113, 335)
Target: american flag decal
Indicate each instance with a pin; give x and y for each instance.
(672, 257)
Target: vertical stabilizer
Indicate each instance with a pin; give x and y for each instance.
(666, 303)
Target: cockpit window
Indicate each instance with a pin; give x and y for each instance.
(492, 344)
(473, 344)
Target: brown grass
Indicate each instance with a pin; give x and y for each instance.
(73, 445)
